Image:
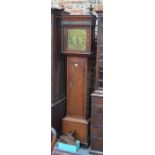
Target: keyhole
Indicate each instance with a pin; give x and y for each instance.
(76, 65)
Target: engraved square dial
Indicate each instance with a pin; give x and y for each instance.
(76, 39)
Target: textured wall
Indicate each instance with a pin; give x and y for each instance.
(55, 3)
(76, 6)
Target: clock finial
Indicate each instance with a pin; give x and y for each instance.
(62, 7)
(91, 9)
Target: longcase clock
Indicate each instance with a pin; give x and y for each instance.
(77, 42)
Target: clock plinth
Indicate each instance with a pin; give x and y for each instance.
(81, 127)
(77, 45)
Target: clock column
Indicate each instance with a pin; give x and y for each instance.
(77, 45)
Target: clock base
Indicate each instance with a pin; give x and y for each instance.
(81, 127)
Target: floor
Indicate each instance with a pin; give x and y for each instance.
(84, 151)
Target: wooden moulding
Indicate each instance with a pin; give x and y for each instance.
(80, 125)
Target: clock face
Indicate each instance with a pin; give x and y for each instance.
(76, 39)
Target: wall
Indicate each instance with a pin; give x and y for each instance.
(76, 6)
(55, 3)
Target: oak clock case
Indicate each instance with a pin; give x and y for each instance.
(77, 44)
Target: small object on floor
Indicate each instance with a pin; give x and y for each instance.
(66, 148)
(68, 138)
(60, 152)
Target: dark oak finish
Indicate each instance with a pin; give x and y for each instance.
(80, 72)
(97, 131)
(97, 123)
(97, 96)
(99, 62)
(97, 144)
(97, 120)
(58, 72)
